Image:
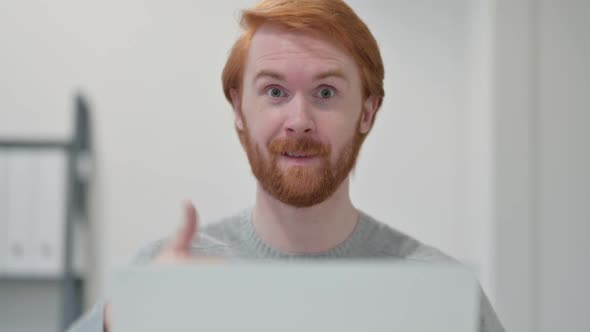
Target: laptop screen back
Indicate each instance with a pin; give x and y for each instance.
(272, 297)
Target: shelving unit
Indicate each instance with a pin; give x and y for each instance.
(43, 196)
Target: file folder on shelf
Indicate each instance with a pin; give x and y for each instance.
(49, 224)
(23, 180)
(32, 212)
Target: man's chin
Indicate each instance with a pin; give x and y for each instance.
(302, 176)
(303, 192)
(300, 199)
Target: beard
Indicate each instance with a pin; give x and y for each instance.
(301, 186)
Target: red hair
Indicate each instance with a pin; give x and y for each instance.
(331, 18)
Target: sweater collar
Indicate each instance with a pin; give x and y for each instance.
(256, 247)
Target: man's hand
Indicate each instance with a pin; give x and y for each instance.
(175, 252)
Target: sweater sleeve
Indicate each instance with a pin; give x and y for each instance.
(93, 319)
(488, 320)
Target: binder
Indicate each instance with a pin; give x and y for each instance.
(49, 222)
(23, 179)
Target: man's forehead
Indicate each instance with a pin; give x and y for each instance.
(274, 49)
(273, 42)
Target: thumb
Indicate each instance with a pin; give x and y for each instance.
(181, 243)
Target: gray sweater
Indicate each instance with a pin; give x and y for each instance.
(370, 239)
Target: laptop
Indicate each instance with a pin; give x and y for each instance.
(295, 297)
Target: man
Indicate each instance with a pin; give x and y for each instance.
(305, 81)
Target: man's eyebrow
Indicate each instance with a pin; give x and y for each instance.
(270, 74)
(280, 77)
(331, 73)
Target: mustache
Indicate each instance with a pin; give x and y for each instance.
(304, 145)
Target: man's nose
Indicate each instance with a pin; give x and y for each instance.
(299, 119)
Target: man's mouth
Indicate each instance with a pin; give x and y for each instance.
(297, 155)
(299, 158)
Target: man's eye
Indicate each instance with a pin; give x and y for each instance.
(275, 92)
(327, 93)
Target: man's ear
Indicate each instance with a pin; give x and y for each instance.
(370, 108)
(236, 102)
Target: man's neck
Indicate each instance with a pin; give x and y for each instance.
(305, 230)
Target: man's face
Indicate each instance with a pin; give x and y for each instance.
(301, 115)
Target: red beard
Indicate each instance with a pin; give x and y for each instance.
(301, 186)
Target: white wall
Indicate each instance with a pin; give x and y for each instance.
(543, 164)
(163, 132)
(563, 154)
(513, 161)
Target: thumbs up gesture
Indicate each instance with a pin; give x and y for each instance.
(177, 251)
